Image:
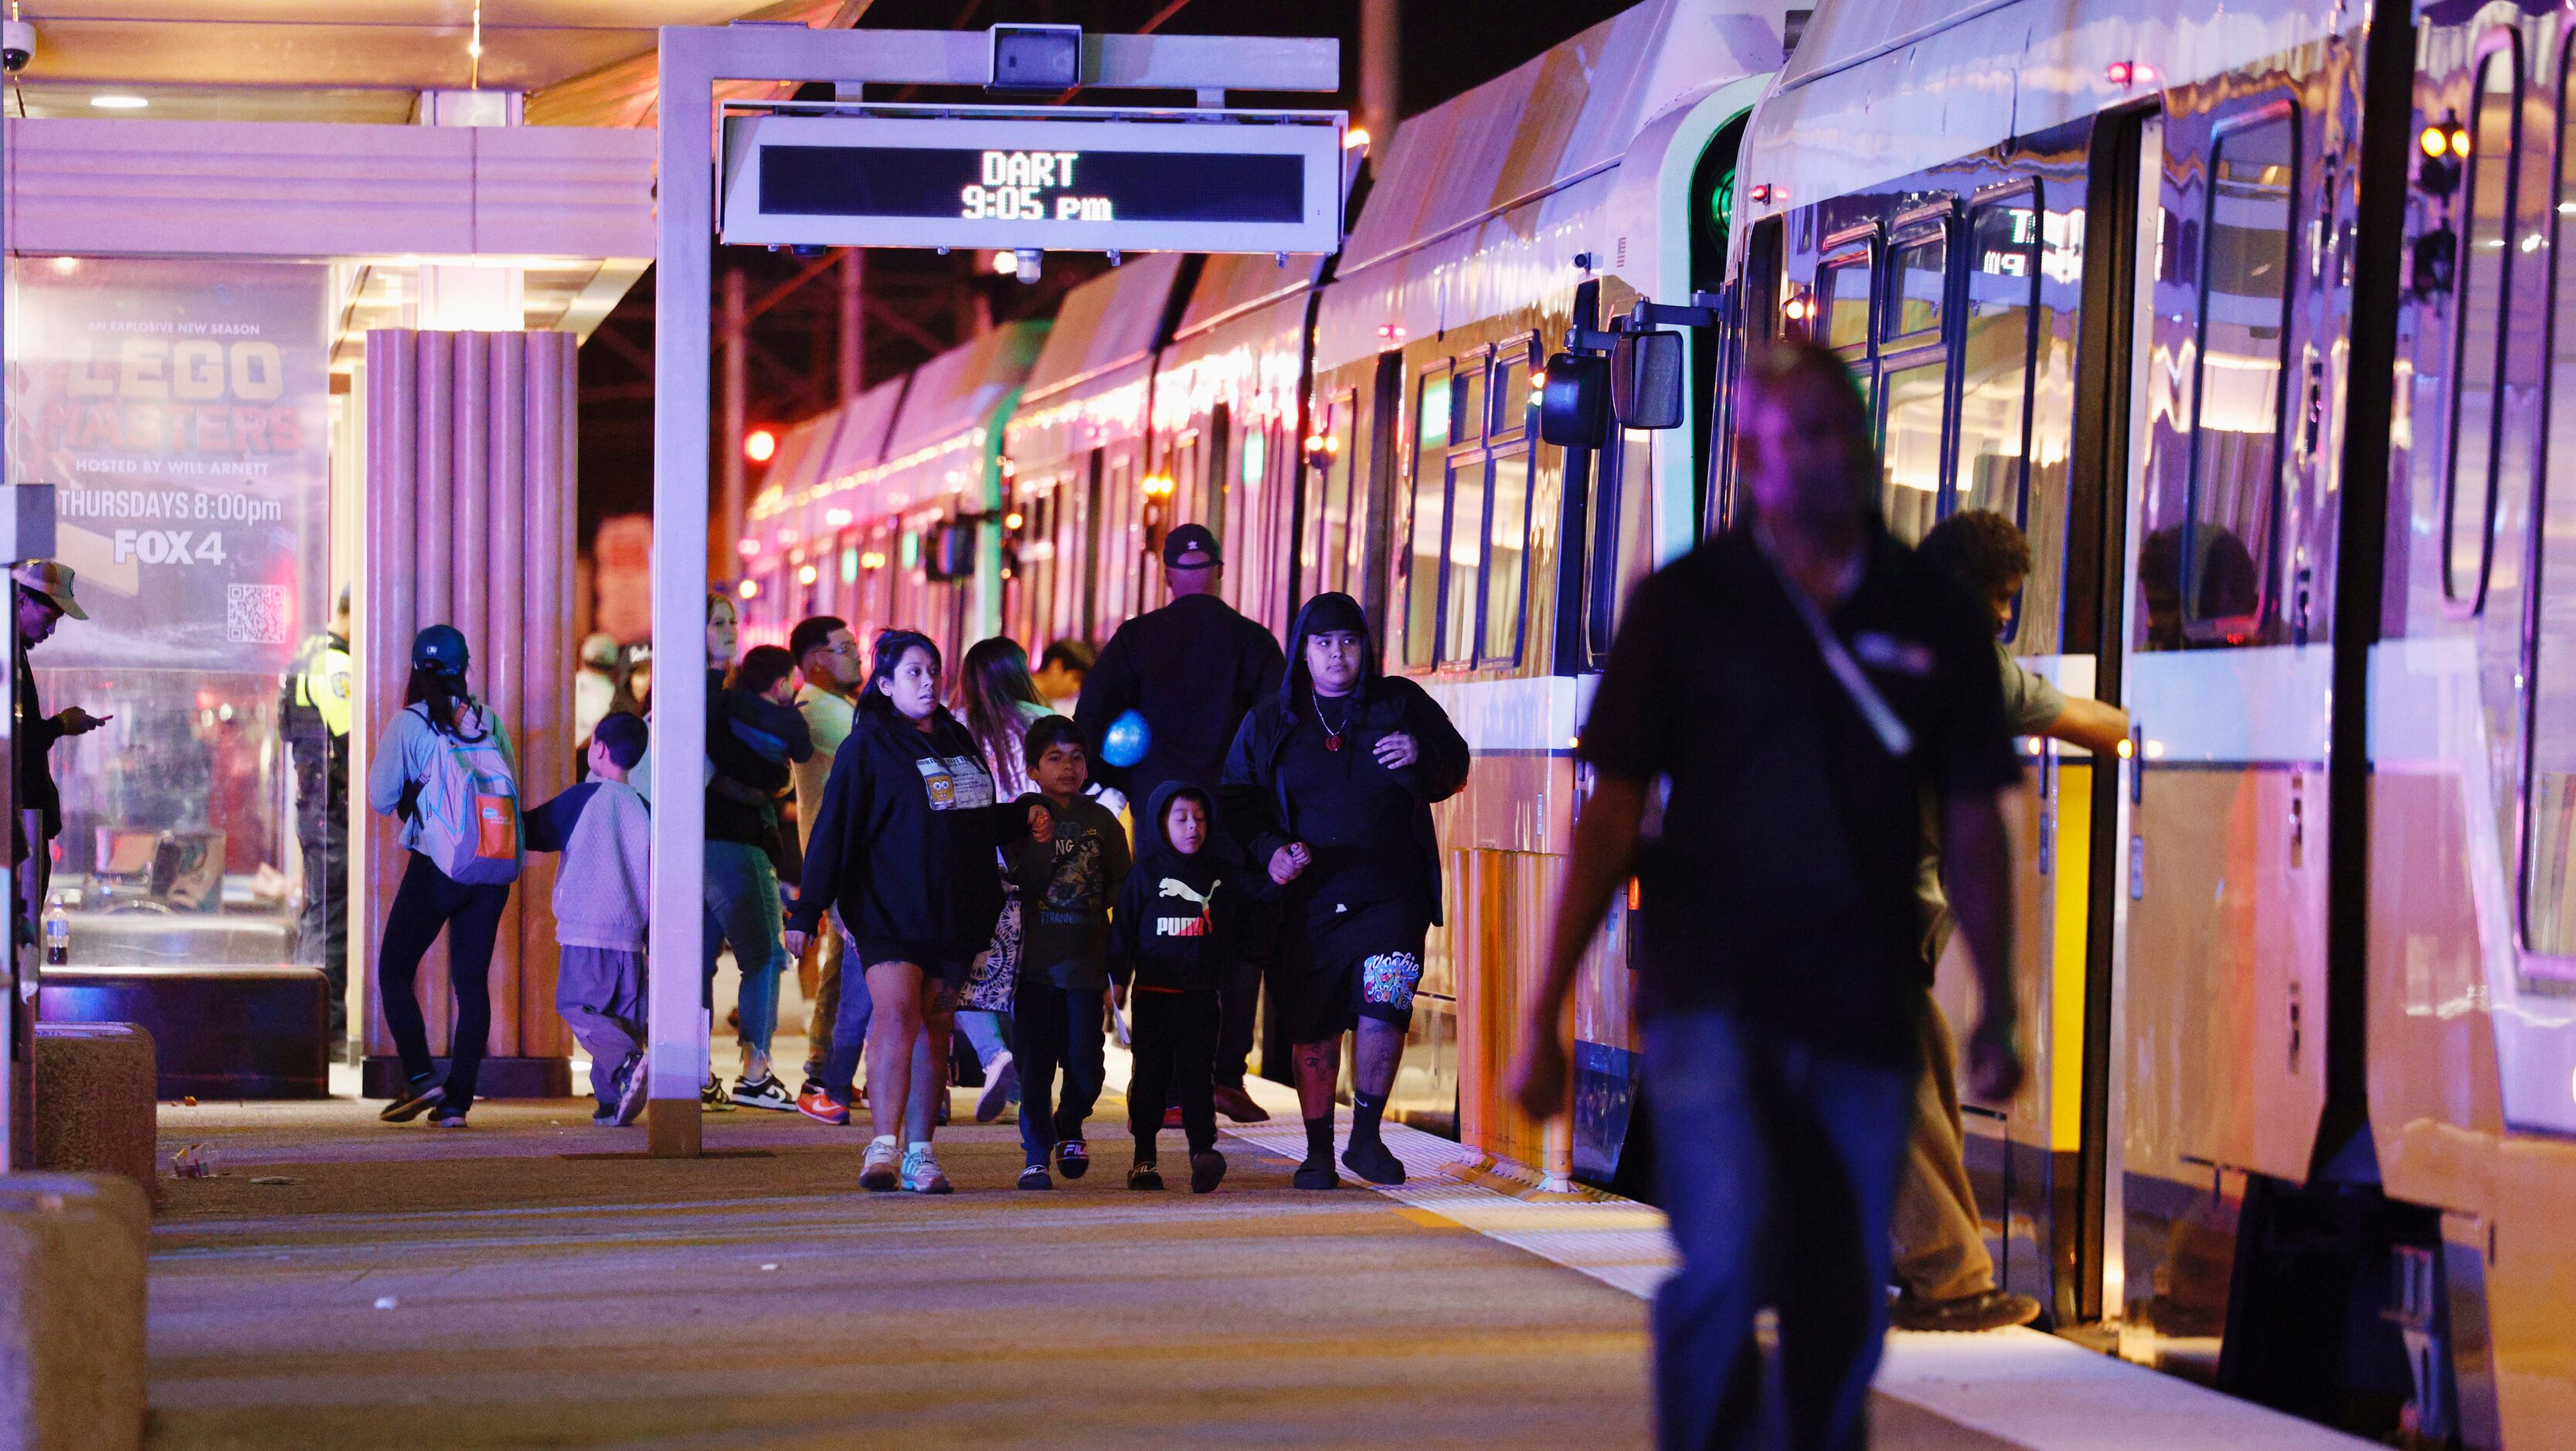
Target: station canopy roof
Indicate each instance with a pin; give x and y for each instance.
(581, 62)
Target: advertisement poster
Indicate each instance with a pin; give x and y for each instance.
(181, 411)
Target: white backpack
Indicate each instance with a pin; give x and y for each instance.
(468, 808)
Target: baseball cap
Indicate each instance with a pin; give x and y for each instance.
(1190, 546)
(53, 580)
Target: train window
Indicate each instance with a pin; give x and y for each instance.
(1845, 285)
(1912, 459)
(1921, 271)
(2485, 281)
(1512, 395)
(1335, 568)
(1430, 491)
(1434, 411)
(1505, 562)
(2236, 398)
(1459, 596)
(1994, 355)
(2549, 794)
(1467, 402)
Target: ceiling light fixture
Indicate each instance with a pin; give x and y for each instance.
(119, 103)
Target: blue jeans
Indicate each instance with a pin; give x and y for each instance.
(742, 908)
(1777, 1165)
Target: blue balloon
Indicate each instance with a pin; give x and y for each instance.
(1127, 741)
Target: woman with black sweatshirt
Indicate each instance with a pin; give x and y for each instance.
(1329, 788)
(902, 855)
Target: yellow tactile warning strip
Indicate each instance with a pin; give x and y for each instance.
(2030, 1389)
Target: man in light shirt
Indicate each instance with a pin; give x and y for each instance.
(828, 659)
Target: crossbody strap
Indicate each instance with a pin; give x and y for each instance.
(1873, 707)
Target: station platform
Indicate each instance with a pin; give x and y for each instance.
(534, 1281)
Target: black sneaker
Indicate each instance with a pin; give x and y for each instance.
(1144, 1176)
(635, 1082)
(1316, 1174)
(1207, 1170)
(1035, 1177)
(1072, 1158)
(1372, 1160)
(416, 1100)
(712, 1097)
(763, 1092)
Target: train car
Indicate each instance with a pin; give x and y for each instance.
(914, 539)
(2471, 924)
(1228, 428)
(1075, 453)
(787, 575)
(803, 519)
(2293, 967)
(1491, 565)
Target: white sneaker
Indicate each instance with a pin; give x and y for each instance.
(1000, 1077)
(921, 1171)
(877, 1171)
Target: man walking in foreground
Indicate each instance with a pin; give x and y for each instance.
(1808, 689)
(1192, 669)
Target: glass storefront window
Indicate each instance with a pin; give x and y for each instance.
(181, 409)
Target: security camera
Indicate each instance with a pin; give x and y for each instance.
(17, 45)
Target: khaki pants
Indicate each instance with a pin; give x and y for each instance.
(1940, 1245)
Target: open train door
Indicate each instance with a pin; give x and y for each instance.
(2214, 1075)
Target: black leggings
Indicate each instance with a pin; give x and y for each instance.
(1175, 1054)
(428, 900)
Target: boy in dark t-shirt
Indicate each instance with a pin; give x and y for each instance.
(1066, 887)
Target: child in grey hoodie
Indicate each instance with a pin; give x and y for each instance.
(603, 898)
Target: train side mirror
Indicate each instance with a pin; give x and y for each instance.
(1574, 404)
(1646, 370)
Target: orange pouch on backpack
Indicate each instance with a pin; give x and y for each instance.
(497, 828)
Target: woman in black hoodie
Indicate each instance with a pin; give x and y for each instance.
(902, 853)
(1329, 789)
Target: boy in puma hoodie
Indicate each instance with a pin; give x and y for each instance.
(1169, 942)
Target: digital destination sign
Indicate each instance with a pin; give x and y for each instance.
(909, 181)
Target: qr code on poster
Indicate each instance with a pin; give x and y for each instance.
(257, 614)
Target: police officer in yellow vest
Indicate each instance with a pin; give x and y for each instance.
(315, 717)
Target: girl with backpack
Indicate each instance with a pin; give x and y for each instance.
(444, 767)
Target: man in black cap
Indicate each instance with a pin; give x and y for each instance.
(1191, 669)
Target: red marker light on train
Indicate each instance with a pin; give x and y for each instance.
(1760, 192)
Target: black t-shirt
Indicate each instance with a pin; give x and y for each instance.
(1354, 814)
(1782, 884)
